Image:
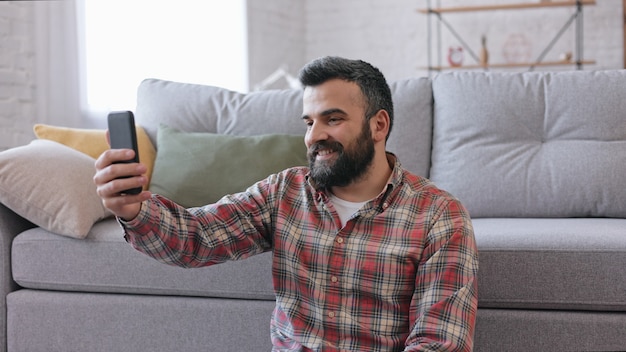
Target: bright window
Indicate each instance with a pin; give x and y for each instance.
(195, 41)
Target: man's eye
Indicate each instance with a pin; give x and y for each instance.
(334, 120)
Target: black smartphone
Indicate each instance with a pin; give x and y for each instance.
(122, 135)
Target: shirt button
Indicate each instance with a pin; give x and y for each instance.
(339, 240)
(334, 279)
(331, 314)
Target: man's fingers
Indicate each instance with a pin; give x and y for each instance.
(110, 187)
(111, 156)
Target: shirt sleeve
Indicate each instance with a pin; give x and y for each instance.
(233, 228)
(444, 305)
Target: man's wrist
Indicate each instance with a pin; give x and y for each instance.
(131, 218)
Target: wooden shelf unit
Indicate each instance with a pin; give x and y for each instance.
(521, 64)
(518, 6)
(576, 18)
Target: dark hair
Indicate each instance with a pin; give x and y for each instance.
(371, 81)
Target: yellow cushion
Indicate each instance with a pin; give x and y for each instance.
(93, 142)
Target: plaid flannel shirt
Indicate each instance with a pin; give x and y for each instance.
(400, 275)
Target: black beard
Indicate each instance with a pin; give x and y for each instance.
(349, 166)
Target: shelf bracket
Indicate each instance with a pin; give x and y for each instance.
(577, 15)
(458, 37)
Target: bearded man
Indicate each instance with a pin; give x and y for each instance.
(366, 255)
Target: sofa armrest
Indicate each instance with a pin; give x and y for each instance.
(11, 225)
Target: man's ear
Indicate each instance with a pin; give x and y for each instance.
(379, 124)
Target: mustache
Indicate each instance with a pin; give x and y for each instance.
(314, 148)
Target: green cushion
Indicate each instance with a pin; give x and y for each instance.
(195, 169)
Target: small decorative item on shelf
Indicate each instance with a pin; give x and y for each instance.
(484, 53)
(517, 49)
(455, 56)
(566, 57)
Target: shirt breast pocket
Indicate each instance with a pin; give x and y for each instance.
(387, 282)
(382, 296)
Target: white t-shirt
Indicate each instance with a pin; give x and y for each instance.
(344, 208)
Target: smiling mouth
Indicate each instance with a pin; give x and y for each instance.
(324, 152)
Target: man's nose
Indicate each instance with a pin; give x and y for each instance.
(315, 133)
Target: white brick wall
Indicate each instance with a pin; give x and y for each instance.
(389, 34)
(17, 79)
(275, 39)
(393, 35)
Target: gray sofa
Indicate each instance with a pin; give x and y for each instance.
(539, 160)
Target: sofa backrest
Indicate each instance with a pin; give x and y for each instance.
(532, 144)
(200, 108)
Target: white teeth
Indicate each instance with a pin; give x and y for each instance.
(324, 152)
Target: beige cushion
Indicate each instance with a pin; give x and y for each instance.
(52, 186)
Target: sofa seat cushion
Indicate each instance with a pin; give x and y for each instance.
(577, 264)
(104, 262)
(566, 264)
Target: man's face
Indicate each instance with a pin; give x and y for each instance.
(339, 140)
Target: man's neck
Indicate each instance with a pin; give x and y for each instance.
(370, 184)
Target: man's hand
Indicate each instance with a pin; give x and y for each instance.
(109, 185)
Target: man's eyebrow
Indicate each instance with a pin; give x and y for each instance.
(332, 111)
(326, 113)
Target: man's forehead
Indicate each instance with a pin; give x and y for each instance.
(333, 90)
